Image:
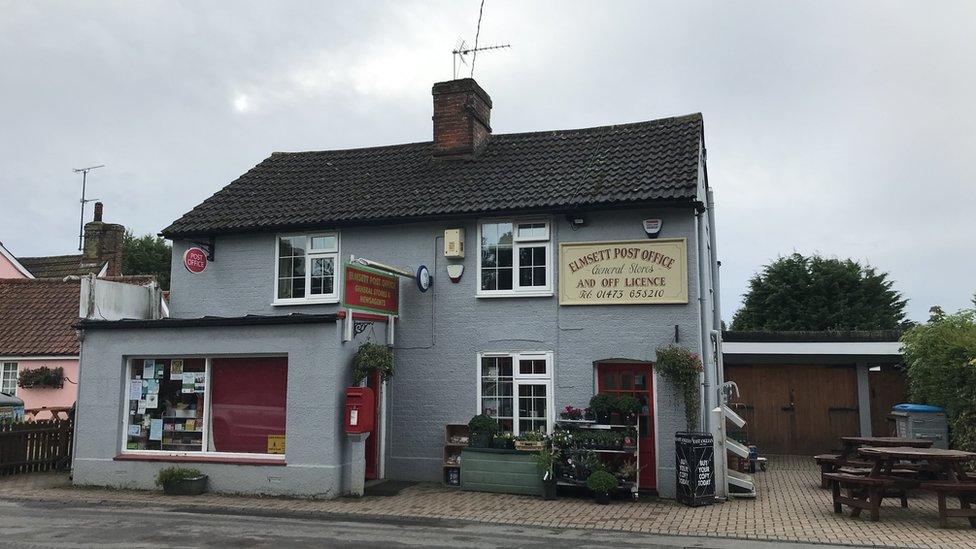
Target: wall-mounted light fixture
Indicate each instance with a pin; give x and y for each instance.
(576, 221)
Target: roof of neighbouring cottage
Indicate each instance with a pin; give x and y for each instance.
(542, 171)
(60, 266)
(37, 317)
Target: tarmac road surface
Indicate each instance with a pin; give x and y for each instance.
(47, 524)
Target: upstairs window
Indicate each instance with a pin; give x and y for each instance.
(514, 258)
(305, 270)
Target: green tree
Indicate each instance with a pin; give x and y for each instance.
(941, 360)
(817, 293)
(146, 255)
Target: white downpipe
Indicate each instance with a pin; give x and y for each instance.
(719, 429)
(705, 319)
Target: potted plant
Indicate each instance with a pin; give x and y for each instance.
(603, 405)
(532, 441)
(546, 461)
(503, 441)
(601, 483)
(629, 407)
(627, 472)
(177, 481)
(481, 431)
(372, 358)
(571, 413)
(630, 439)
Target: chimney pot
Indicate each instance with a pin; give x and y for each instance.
(462, 117)
(98, 211)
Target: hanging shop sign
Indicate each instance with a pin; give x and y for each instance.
(368, 289)
(630, 272)
(195, 260)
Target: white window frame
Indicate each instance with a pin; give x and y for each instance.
(16, 369)
(309, 255)
(207, 419)
(517, 244)
(523, 379)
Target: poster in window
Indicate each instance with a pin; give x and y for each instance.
(176, 369)
(156, 429)
(152, 386)
(148, 368)
(135, 430)
(199, 382)
(187, 384)
(142, 407)
(135, 389)
(159, 370)
(152, 401)
(276, 444)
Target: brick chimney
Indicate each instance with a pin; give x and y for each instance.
(103, 243)
(462, 116)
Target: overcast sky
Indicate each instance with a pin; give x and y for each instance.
(845, 128)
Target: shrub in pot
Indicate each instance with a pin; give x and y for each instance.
(546, 462)
(603, 406)
(630, 438)
(481, 431)
(601, 483)
(177, 481)
(628, 406)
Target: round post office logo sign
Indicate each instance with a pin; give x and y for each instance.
(423, 278)
(195, 260)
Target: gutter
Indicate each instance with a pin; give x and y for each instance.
(207, 321)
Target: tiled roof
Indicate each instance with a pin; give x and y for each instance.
(59, 266)
(553, 170)
(37, 317)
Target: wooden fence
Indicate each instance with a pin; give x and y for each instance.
(43, 445)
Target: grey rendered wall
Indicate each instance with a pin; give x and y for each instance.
(314, 451)
(440, 332)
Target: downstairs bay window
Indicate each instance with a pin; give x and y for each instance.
(195, 406)
(516, 390)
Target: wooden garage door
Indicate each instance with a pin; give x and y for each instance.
(796, 409)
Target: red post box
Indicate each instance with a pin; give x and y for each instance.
(360, 410)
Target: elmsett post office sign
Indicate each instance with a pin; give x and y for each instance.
(629, 272)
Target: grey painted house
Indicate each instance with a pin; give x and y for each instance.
(561, 293)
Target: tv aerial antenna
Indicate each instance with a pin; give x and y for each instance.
(461, 50)
(84, 183)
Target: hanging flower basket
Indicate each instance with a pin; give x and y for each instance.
(41, 378)
(372, 358)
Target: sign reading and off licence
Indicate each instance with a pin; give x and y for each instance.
(630, 272)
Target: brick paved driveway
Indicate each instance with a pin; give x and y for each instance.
(791, 507)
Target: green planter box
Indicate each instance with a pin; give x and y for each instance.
(501, 471)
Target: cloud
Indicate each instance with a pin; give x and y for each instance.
(839, 127)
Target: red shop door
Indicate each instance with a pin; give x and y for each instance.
(373, 442)
(635, 379)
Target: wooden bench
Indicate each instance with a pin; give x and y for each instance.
(862, 493)
(965, 491)
(829, 463)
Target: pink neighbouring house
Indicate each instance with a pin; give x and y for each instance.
(40, 303)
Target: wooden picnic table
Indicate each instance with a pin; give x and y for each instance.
(947, 464)
(852, 444)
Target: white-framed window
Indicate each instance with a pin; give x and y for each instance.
(306, 268)
(192, 406)
(8, 378)
(516, 390)
(514, 258)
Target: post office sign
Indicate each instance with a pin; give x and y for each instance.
(627, 272)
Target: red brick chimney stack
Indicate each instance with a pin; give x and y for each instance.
(103, 243)
(462, 116)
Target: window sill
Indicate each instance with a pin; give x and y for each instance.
(548, 293)
(201, 459)
(284, 303)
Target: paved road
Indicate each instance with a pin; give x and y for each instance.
(77, 525)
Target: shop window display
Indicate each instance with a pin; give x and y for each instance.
(200, 405)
